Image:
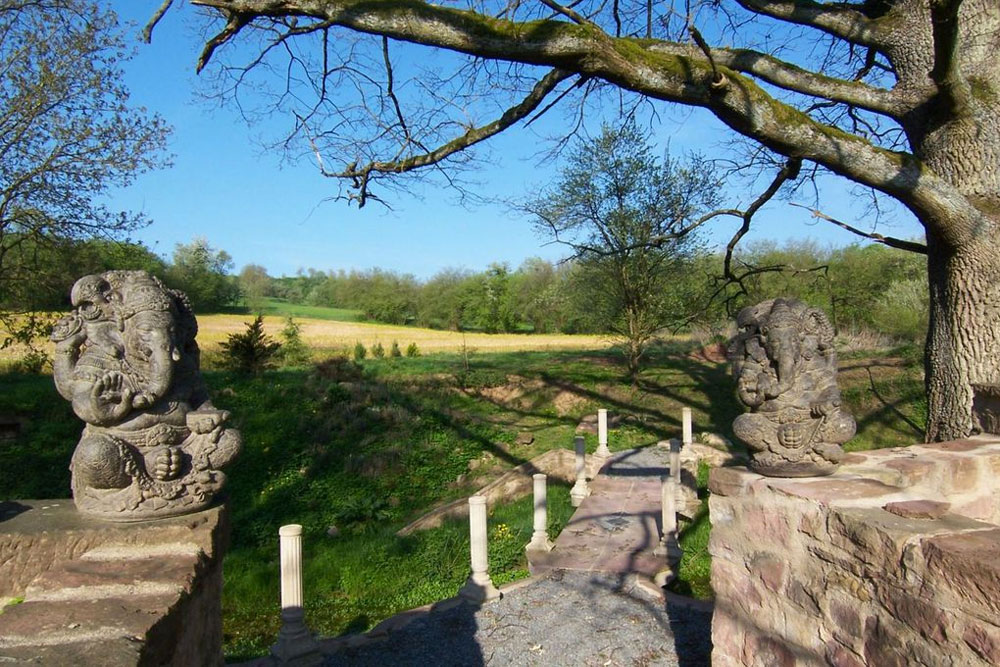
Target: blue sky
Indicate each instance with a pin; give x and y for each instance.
(224, 187)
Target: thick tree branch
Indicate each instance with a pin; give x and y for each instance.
(840, 20)
(791, 77)
(947, 73)
(901, 244)
(583, 49)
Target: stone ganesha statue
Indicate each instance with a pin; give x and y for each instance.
(785, 369)
(126, 358)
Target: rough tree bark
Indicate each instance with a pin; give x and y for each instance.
(940, 83)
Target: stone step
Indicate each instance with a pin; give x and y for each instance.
(71, 622)
(114, 652)
(87, 579)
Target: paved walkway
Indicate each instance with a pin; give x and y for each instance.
(617, 527)
(588, 604)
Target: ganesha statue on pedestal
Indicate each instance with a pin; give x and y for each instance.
(126, 358)
(785, 369)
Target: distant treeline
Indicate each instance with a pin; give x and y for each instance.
(861, 287)
(38, 276)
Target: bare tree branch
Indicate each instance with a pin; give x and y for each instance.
(147, 32)
(361, 175)
(788, 172)
(743, 105)
(901, 244)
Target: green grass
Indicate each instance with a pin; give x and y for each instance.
(282, 308)
(369, 447)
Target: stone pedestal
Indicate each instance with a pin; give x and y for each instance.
(110, 594)
(892, 560)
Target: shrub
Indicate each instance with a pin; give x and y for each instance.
(33, 362)
(359, 351)
(412, 350)
(252, 350)
(394, 351)
(294, 351)
(378, 352)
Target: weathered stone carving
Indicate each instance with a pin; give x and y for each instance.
(126, 358)
(785, 369)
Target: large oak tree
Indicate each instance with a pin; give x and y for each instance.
(902, 96)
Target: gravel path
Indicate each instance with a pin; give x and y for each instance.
(564, 618)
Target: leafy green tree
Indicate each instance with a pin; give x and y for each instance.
(490, 306)
(201, 272)
(444, 299)
(627, 214)
(538, 295)
(68, 135)
(255, 285)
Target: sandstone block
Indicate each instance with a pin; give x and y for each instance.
(917, 509)
(968, 564)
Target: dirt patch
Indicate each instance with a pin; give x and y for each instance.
(514, 393)
(566, 401)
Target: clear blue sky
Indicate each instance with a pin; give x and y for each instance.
(225, 188)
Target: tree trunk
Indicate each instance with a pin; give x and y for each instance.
(963, 338)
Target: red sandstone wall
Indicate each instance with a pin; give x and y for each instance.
(895, 560)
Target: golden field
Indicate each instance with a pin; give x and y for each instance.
(329, 337)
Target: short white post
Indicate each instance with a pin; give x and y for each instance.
(675, 461)
(580, 490)
(479, 588)
(540, 537)
(295, 644)
(686, 420)
(602, 434)
(668, 546)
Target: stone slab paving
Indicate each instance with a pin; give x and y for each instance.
(563, 618)
(616, 528)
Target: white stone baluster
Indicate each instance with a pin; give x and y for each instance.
(479, 588)
(686, 421)
(295, 644)
(540, 537)
(602, 434)
(580, 489)
(668, 546)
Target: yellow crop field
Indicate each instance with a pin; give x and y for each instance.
(327, 336)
